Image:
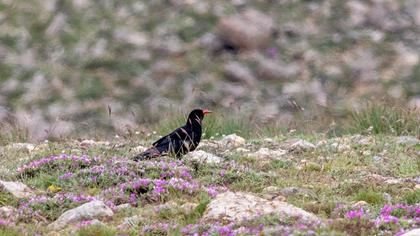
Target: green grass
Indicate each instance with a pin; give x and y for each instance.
(384, 119)
(370, 196)
(96, 230)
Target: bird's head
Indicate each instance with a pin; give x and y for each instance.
(197, 115)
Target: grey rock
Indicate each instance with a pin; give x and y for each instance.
(413, 232)
(21, 146)
(8, 212)
(204, 157)
(132, 221)
(17, 189)
(407, 140)
(238, 206)
(232, 141)
(237, 72)
(268, 153)
(273, 70)
(123, 207)
(88, 211)
(250, 29)
(298, 145)
(293, 191)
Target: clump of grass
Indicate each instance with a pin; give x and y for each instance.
(9, 231)
(412, 197)
(383, 119)
(12, 132)
(96, 230)
(370, 196)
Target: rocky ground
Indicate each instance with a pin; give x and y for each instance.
(66, 65)
(288, 185)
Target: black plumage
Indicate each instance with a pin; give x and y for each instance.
(181, 141)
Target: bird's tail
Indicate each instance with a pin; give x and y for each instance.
(147, 155)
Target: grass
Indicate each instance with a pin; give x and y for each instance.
(96, 230)
(384, 119)
(370, 196)
(326, 176)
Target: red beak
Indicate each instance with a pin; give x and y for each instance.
(205, 111)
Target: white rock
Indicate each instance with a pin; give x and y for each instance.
(90, 142)
(407, 140)
(189, 207)
(123, 206)
(204, 157)
(139, 149)
(298, 145)
(268, 153)
(414, 232)
(132, 221)
(7, 212)
(17, 189)
(88, 211)
(340, 147)
(235, 207)
(232, 140)
(21, 146)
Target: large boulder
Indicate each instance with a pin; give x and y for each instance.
(88, 211)
(250, 29)
(238, 206)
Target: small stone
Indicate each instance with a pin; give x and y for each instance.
(90, 142)
(123, 206)
(88, 211)
(21, 146)
(407, 140)
(298, 145)
(377, 159)
(8, 212)
(267, 153)
(273, 193)
(232, 140)
(189, 207)
(242, 150)
(360, 204)
(139, 149)
(388, 197)
(293, 191)
(340, 147)
(204, 157)
(132, 221)
(17, 189)
(417, 186)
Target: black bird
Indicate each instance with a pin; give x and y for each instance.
(180, 141)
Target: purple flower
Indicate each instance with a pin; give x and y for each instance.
(212, 191)
(67, 175)
(225, 231)
(355, 214)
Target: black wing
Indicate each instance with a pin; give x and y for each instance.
(173, 141)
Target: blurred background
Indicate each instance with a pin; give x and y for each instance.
(75, 67)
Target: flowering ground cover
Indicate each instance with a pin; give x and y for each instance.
(355, 185)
